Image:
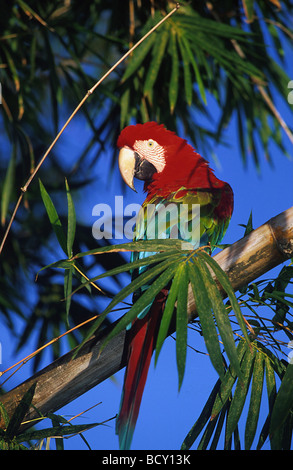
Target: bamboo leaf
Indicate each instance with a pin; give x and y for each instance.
(4, 415)
(174, 79)
(57, 420)
(186, 72)
(284, 401)
(143, 301)
(240, 393)
(53, 217)
(61, 264)
(222, 319)
(71, 221)
(20, 412)
(255, 399)
(136, 246)
(271, 392)
(55, 431)
(147, 261)
(199, 81)
(68, 289)
(141, 262)
(124, 103)
(158, 54)
(193, 23)
(248, 226)
(283, 279)
(287, 433)
(203, 307)
(224, 281)
(12, 67)
(181, 323)
(8, 186)
(270, 382)
(227, 383)
(142, 279)
(168, 312)
(231, 63)
(138, 56)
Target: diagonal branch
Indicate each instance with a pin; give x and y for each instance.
(67, 378)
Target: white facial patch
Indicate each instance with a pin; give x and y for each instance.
(153, 152)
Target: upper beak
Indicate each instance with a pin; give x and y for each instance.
(126, 161)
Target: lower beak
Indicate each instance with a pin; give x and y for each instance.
(126, 161)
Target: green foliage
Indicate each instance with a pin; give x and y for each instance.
(227, 402)
(11, 438)
(259, 365)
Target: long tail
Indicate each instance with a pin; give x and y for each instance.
(141, 343)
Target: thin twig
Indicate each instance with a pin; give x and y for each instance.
(33, 354)
(85, 411)
(89, 92)
(278, 25)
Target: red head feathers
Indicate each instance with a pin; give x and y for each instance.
(166, 163)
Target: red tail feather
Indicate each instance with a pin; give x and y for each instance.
(141, 342)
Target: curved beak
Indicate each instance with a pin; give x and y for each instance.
(126, 161)
(132, 165)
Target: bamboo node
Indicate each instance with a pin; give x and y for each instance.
(286, 247)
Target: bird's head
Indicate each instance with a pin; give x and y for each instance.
(146, 151)
(166, 162)
(163, 160)
(142, 152)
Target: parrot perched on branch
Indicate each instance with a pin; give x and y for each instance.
(173, 174)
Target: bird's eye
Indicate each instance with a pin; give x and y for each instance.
(150, 143)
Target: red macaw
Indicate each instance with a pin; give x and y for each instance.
(173, 173)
